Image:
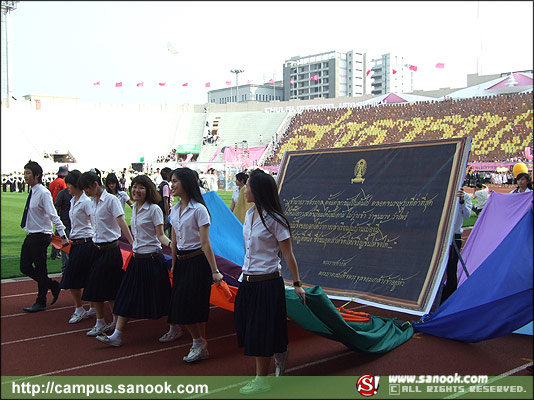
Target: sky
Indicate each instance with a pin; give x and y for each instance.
(63, 48)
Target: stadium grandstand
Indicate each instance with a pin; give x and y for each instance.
(497, 115)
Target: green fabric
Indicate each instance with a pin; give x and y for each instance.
(320, 316)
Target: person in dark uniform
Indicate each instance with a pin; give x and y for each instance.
(39, 214)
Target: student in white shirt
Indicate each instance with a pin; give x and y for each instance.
(523, 183)
(106, 273)
(39, 213)
(193, 264)
(260, 306)
(81, 250)
(146, 288)
(113, 187)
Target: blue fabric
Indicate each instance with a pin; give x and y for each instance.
(496, 299)
(226, 231)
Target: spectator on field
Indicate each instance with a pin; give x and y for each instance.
(62, 205)
(113, 187)
(240, 182)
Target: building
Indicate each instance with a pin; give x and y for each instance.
(248, 92)
(391, 73)
(325, 75)
(5, 62)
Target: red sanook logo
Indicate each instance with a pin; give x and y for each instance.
(367, 385)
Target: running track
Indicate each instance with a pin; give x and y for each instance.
(45, 343)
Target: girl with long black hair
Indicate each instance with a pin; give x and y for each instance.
(260, 305)
(193, 264)
(113, 187)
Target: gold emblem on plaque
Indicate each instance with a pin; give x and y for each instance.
(359, 171)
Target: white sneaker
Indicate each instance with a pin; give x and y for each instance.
(197, 353)
(107, 340)
(77, 317)
(96, 331)
(255, 386)
(90, 313)
(168, 337)
(109, 327)
(280, 361)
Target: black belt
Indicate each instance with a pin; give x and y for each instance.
(76, 242)
(261, 278)
(149, 255)
(106, 246)
(190, 255)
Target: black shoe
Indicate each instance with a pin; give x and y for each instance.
(35, 308)
(55, 292)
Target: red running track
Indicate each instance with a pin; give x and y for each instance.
(45, 343)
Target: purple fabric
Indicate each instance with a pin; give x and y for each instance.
(500, 214)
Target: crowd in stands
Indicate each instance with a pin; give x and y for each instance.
(210, 138)
(500, 126)
(171, 156)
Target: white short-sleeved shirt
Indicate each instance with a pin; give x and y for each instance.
(42, 213)
(261, 246)
(123, 197)
(144, 222)
(186, 226)
(105, 213)
(80, 217)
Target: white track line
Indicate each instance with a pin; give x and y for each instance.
(60, 334)
(116, 359)
(18, 295)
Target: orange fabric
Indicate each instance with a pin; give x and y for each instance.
(354, 316)
(223, 295)
(56, 242)
(126, 256)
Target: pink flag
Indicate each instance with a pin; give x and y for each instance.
(162, 83)
(413, 67)
(368, 72)
(185, 84)
(228, 83)
(96, 83)
(271, 80)
(341, 76)
(440, 65)
(314, 78)
(207, 84)
(118, 84)
(140, 84)
(292, 81)
(394, 71)
(249, 81)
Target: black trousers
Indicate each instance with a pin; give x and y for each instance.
(452, 269)
(33, 263)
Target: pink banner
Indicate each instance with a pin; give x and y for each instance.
(492, 166)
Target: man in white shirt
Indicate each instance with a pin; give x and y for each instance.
(481, 196)
(39, 213)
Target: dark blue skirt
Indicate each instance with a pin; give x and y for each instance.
(191, 290)
(145, 291)
(105, 277)
(78, 267)
(260, 317)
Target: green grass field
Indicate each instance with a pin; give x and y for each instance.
(12, 206)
